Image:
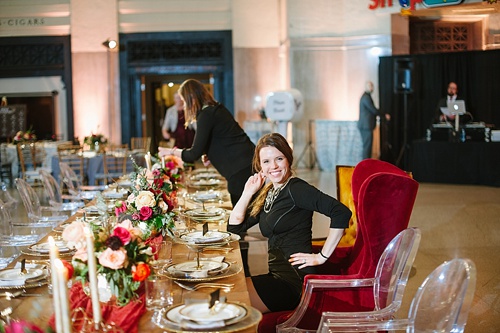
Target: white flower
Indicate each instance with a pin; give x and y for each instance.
(145, 199)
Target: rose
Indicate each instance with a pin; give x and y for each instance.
(123, 234)
(74, 232)
(113, 259)
(81, 254)
(134, 232)
(120, 207)
(145, 213)
(140, 272)
(145, 198)
(163, 206)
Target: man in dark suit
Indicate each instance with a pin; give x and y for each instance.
(367, 116)
(451, 96)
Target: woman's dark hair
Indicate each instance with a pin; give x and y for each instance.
(195, 96)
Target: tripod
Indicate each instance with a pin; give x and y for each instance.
(404, 147)
(309, 148)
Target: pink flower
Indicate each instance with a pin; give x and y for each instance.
(20, 326)
(123, 234)
(145, 213)
(81, 254)
(113, 259)
(74, 232)
(121, 209)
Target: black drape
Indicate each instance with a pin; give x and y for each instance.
(475, 73)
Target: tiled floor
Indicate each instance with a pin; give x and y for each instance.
(456, 221)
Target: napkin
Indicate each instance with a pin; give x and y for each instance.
(126, 317)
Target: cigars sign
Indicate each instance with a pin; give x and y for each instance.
(22, 22)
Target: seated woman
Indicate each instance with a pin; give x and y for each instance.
(283, 209)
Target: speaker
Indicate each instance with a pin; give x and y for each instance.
(403, 69)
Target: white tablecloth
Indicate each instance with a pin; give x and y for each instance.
(50, 150)
(337, 143)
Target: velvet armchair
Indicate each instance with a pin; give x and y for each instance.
(384, 202)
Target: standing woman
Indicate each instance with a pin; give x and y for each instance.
(283, 209)
(218, 136)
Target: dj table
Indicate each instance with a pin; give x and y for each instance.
(456, 162)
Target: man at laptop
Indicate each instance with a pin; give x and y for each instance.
(451, 96)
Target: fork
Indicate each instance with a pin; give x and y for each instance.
(225, 286)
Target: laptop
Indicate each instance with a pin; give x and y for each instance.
(456, 107)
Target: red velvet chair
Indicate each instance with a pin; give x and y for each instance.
(384, 201)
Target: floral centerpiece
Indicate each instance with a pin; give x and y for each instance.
(122, 254)
(153, 198)
(94, 140)
(27, 136)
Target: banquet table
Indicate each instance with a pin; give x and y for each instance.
(38, 309)
(50, 150)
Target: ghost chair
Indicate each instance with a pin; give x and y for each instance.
(38, 215)
(352, 298)
(11, 235)
(75, 186)
(441, 304)
(384, 205)
(53, 192)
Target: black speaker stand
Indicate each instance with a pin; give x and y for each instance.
(405, 147)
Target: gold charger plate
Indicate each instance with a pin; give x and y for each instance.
(252, 318)
(230, 271)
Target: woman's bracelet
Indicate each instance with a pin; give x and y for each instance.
(321, 254)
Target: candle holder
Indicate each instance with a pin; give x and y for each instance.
(82, 323)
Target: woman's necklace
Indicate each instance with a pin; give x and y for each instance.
(272, 194)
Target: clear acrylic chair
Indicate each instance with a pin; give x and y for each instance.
(386, 287)
(441, 304)
(11, 235)
(75, 186)
(38, 215)
(53, 192)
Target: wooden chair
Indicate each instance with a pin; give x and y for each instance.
(31, 157)
(5, 166)
(140, 143)
(73, 157)
(114, 164)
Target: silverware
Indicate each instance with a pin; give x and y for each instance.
(23, 267)
(224, 286)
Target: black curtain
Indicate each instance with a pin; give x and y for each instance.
(475, 73)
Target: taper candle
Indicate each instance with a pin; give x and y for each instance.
(94, 292)
(54, 255)
(63, 296)
(147, 157)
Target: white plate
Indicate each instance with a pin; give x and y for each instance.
(189, 269)
(15, 274)
(197, 237)
(45, 247)
(192, 266)
(203, 196)
(200, 312)
(173, 315)
(205, 175)
(114, 195)
(205, 213)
